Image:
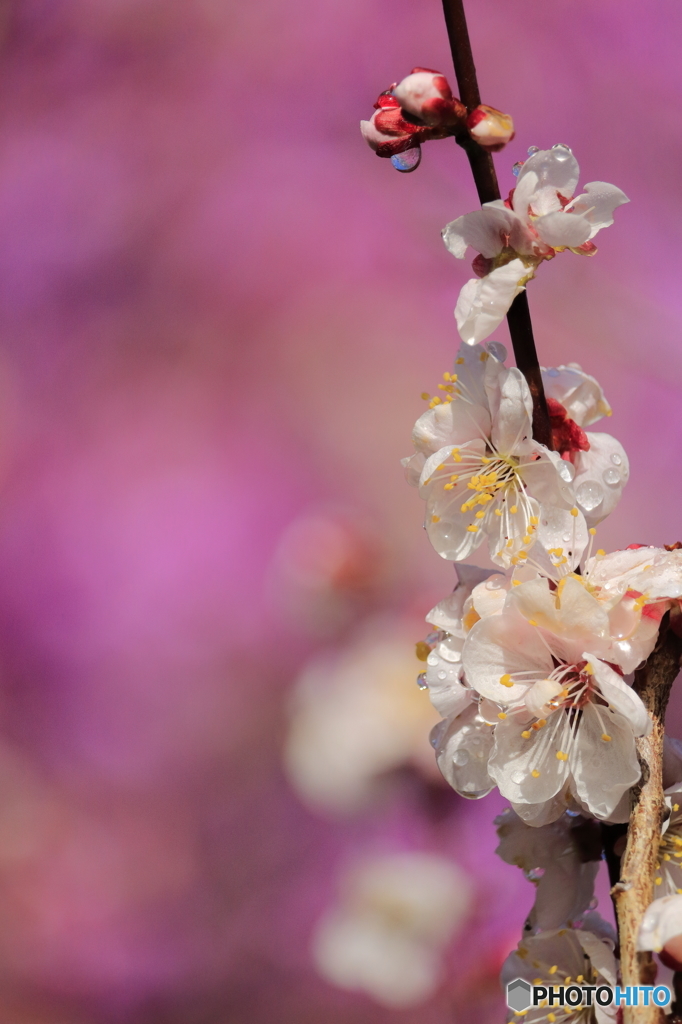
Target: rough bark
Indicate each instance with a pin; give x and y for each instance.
(635, 890)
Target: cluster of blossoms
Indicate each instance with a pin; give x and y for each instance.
(422, 107)
(531, 664)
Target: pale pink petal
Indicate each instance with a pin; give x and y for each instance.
(597, 204)
(483, 303)
(483, 230)
(563, 229)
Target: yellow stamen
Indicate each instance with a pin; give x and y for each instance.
(574, 512)
(506, 680)
(502, 715)
(535, 773)
(560, 756)
(526, 734)
(435, 519)
(606, 738)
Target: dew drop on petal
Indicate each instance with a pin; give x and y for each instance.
(553, 372)
(562, 152)
(460, 757)
(566, 471)
(589, 495)
(432, 659)
(517, 777)
(616, 459)
(516, 169)
(442, 675)
(497, 349)
(533, 149)
(436, 734)
(566, 537)
(421, 681)
(611, 477)
(407, 161)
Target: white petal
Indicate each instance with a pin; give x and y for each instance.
(501, 645)
(602, 472)
(620, 696)
(462, 754)
(482, 230)
(570, 613)
(447, 695)
(450, 423)
(560, 531)
(597, 204)
(541, 814)
(447, 527)
(511, 409)
(413, 466)
(514, 758)
(447, 614)
(600, 954)
(662, 921)
(603, 770)
(483, 302)
(560, 228)
(526, 187)
(579, 393)
(556, 167)
(488, 597)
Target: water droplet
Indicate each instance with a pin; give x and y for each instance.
(517, 777)
(407, 161)
(436, 734)
(442, 675)
(432, 659)
(552, 372)
(516, 169)
(616, 459)
(460, 757)
(497, 349)
(563, 151)
(589, 495)
(566, 537)
(594, 903)
(421, 681)
(611, 477)
(533, 149)
(566, 470)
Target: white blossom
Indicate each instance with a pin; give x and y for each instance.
(395, 916)
(463, 744)
(484, 477)
(568, 720)
(583, 956)
(540, 218)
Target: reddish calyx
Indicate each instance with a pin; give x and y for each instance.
(567, 436)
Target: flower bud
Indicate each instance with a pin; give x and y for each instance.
(426, 95)
(389, 133)
(490, 128)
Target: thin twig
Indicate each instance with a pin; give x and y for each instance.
(483, 170)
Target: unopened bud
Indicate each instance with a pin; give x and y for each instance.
(426, 95)
(490, 128)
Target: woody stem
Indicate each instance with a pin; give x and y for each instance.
(485, 179)
(635, 890)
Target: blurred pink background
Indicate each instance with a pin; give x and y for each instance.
(217, 312)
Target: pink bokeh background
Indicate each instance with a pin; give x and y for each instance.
(217, 312)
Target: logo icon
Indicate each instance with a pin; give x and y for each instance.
(518, 995)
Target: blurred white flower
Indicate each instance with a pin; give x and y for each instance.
(395, 917)
(356, 714)
(539, 219)
(561, 859)
(583, 956)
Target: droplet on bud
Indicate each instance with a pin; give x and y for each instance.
(616, 459)
(516, 169)
(533, 149)
(611, 477)
(421, 681)
(408, 160)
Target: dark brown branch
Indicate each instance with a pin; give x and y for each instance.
(483, 170)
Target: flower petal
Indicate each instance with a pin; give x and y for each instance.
(501, 645)
(570, 613)
(597, 204)
(482, 230)
(462, 754)
(600, 476)
(603, 770)
(662, 921)
(563, 229)
(483, 302)
(579, 393)
(525, 768)
(447, 614)
(450, 423)
(621, 697)
(511, 409)
(555, 167)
